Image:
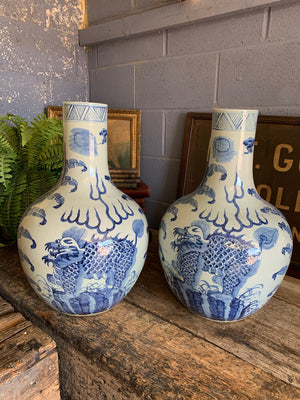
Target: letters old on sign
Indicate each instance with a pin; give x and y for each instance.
(276, 170)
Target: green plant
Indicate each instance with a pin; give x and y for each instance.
(31, 158)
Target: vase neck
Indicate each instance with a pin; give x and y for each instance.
(232, 144)
(85, 137)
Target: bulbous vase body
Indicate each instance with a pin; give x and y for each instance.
(224, 249)
(83, 244)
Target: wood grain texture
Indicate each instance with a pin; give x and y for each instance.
(28, 359)
(150, 347)
(289, 291)
(5, 307)
(269, 339)
(39, 382)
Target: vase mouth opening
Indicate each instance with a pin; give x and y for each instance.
(85, 103)
(241, 110)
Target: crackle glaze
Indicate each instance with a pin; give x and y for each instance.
(83, 244)
(224, 249)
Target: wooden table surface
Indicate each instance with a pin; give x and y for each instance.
(28, 359)
(150, 347)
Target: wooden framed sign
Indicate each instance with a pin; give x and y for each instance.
(276, 166)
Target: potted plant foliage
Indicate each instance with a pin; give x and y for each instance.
(31, 158)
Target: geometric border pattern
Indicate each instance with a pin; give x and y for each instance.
(234, 120)
(84, 112)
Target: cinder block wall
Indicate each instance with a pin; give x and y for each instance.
(248, 60)
(41, 61)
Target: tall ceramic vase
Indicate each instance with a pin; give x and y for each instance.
(224, 250)
(83, 244)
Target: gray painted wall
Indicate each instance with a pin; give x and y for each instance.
(249, 60)
(41, 62)
(102, 10)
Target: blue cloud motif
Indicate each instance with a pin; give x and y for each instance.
(223, 149)
(103, 136)
(266, 237)
(249, 144)
(82, 141)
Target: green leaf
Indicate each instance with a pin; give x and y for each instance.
(31, 158)
(26, 135)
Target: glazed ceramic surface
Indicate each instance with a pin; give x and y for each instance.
(83, 244)
(224, 250)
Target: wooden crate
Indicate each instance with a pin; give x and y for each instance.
(28, 359)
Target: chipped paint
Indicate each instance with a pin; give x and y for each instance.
(83, 8)
(66, 14)
(41, 61)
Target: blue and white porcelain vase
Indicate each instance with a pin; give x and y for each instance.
(83, 244)
(225, 250)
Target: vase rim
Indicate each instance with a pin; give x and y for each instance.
(85, 103)
(218, 109)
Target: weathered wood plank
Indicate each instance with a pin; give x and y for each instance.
(155, 360)
(5, 307)
(9, 320)
(22, 351)
(158, 360)
(289, 291)
(40, 382)
(151, 347)
(86, 378)
(28, 359)
(11, 324)
(269, 339)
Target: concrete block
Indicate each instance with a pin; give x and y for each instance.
(146, 4)
(183, 82)
(19, 10)
(81, 67)
(175, 124)
(21, 94)
(267, 75)
(162, 177)
(32, 49)
(40, 66)
(64, 15)
(290, 110)
(155, 210)
(92, 52)
(65, 58)
(22, 47)
(100, 10)
(285, 22)
(218, 34)
(152, 144)
(113, 86)
(134, 49)
(60, 90)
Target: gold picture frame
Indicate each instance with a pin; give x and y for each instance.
(124, 143)
(54, 112)
(124, 140)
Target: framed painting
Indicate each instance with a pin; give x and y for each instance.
(276, 166)
(124, 140)
(54, 112)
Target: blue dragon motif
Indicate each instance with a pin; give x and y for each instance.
(230, 261)
(90, 277)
